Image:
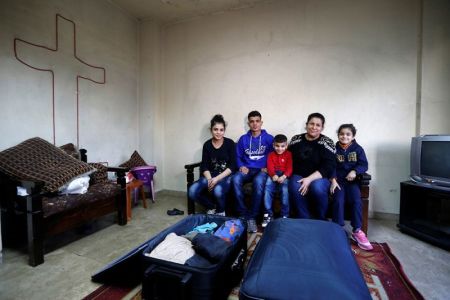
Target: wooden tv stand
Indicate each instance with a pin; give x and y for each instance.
(425, 212)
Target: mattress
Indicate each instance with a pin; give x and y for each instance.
(303, 259)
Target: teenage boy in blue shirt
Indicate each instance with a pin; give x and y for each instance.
(251, 158)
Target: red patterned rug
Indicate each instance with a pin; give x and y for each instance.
(108, 292)
(382, 272)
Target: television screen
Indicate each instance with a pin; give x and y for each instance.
(435, 159)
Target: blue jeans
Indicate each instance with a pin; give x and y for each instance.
(317, 193)
(349, 194)
(259, 180)
(273, 187)
(198, 188)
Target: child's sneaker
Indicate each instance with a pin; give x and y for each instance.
(211, 211)
(360, 237)
(266, 220)
(220, 214)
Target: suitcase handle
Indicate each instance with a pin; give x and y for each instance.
(184, 277)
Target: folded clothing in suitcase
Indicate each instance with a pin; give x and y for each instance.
(128, 270)
(303, 259)
(168, 280)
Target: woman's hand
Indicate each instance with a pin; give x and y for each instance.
(351, 175)
(334, 185)
(304, 185)
(212, 183)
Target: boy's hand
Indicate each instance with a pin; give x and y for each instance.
(351, 175)
(275, 178)
(334, 185)
(264, 170)
(243, 170)
(281, 179)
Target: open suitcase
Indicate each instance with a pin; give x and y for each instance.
(163, 279)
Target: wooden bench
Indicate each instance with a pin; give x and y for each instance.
(364, 181)
(29, 219)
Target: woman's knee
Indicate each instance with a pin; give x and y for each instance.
(320, 187)
(193, 191)
(218, 191)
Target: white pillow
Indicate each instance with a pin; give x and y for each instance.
(78, 185)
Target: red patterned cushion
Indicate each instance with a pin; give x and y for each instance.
(135, 161)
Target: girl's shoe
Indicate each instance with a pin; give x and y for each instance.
(360, 237)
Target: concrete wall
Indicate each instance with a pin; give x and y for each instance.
(435, 88)
(151, 113)
(354, 62)
(106, 37)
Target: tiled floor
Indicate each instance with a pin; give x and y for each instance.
(67, 270)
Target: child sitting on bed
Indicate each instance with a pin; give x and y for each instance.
(350, 162)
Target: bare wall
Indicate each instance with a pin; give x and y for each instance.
(354, 62)
(105, 37)
(435, 87)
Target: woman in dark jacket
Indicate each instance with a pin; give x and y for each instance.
(313, 162)
(218, 163)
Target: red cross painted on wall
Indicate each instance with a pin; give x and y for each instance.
(64, 65)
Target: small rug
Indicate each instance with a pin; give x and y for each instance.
(108, 292)
(382, 273)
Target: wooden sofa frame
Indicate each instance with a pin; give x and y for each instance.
(24, 214)
(364, 180)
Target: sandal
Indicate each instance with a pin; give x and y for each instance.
(174, 212)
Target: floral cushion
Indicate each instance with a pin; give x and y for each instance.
(135, 161)
(39, 161)
(71, 149)
(101, 173)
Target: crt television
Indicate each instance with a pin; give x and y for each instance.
(430, 159)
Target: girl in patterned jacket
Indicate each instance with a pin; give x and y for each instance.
(350, 161)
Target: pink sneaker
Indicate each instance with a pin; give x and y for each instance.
(360, 237)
